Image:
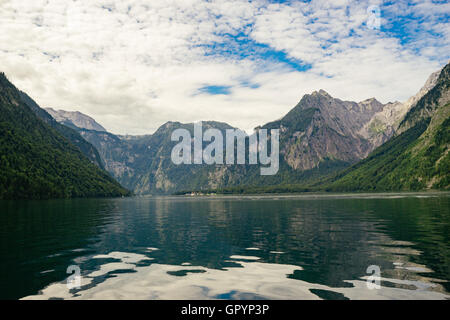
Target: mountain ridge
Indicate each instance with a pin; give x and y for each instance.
(37, 162)
(416, 158)
(69, 132)
(75, 118)
(318, 136)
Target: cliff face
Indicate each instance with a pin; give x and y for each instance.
(143, 163)
(124, 158)
(322, 128)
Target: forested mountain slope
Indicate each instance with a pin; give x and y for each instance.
(37, 162)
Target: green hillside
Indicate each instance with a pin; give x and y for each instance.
(38, 162)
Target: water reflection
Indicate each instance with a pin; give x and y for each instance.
(232, 247)
(248, 280)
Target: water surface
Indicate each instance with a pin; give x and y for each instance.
(233, 247)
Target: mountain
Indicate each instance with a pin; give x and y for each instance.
(123, 157)
(69, 133)
(385, 123)
(320, 136)
(321, 128)
(76, 119)
(417, 157)
(37, 162)
(143, 163)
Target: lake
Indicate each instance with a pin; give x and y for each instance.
(228, 247)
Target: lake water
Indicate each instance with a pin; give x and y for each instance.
(233, 247)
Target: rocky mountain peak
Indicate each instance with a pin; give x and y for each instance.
(371, 105)
(322, 93)
(75, 118)
(370, 101)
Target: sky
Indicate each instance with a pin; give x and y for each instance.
(135, 64)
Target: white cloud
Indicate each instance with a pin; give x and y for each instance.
(134, 64)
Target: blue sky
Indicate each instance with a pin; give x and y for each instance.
(402, 25)
(241, 46)
(135, 64)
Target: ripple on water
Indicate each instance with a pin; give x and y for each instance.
(251, 280)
